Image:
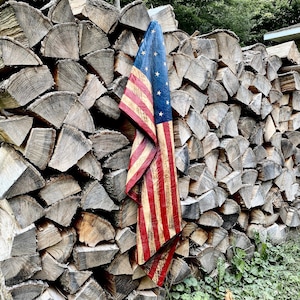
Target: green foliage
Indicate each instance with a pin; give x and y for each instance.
(248, 19)
(272, 273)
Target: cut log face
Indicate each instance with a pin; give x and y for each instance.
(90, 257)
(58, 188)
(129, 15)
(63, 211)
(15, 129)
(107, 141)
(102, 61)
(24, 86)
(39, 146)
(60, 12)
(16, 171)
(62, 41)
(26, 210)
(70, 76)
(14, 53)
(93, 229)
(95, 197)
(69, 139)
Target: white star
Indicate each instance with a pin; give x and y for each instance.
(167, 83)
(143, 52)
(157, 74)
(146, 68)
(153, 31)
(165, 63)
(167, 102)
(161, 114)
(158, 93)
(155, 53)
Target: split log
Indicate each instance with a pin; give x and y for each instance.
(20, 176)
(26, 210)
(30, 289)
(72, 279)
(286, 51)
(92, 90)
(63, 211)
(165, 16)
(182, 160)
(62, 250)
(210, 219)
(40, 146)
(51, 268)
(102, 62)
(190, 208)
(51, 293)
(15, 129)
(108, 107)
(24, 242)
(289, 81)
(126, 215)
(229, 49)
(106, 141)
(129, 15)
(125, 239)
(64, 156)
(24, 86)
(58, 188)
(89, 291)
(181, 102)
(18, 269)
(199, 236)
(95, 197)
(60, 12)
(53, 107)
(14, 53)
(62, 41)
(126, 43)
(179, 271)
(93, 229)
(206, 47)
(90, 257)
(208, 259)
(9, 25)
(197, 74)
(101, 13)
(115, 183)
(34, 24)
(47, 235)
(8, 228)
(90, 166)
(69, 76)
(79, 117)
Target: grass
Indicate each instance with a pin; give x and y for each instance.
(272, 273)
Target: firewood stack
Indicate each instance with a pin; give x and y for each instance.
(67, 229)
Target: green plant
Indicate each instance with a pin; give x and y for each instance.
(272, 273)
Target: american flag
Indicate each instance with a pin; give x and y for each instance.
(152, 179)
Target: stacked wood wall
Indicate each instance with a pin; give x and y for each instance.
(67, 229)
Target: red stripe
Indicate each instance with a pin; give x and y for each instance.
(136, 118)
(153, 222)
(173, 178)
(139, 102)
(162, 195)
(165, 268)
(154, 265)
(143, 234)
(143, 165)
(140, 84)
